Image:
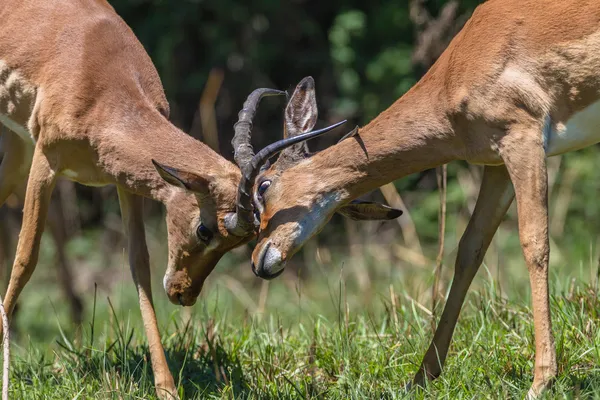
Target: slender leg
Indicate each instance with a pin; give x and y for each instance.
(132, 214)
(495, 196)
(64, 273)
(525, 160)
(4, 243)
(15, 164)
(37, 197)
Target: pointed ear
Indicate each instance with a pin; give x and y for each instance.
(301, 112)
(183, 179)
(367, 211)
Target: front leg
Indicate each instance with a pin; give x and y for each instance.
(495, 196)
(525, 159)
(132, 214)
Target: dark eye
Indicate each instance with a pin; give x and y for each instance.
(204, 233)
(262, 188)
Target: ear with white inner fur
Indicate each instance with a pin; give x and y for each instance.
(368, 211)
(301, 111)
(184, 179)
(300, 117)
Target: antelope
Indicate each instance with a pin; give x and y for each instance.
(81, 99)
(519, 83)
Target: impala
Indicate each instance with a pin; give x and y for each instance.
(82, 100)
(519, 83)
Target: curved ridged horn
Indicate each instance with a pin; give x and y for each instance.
(237, 223)
(241, 222)
(263, 156)
(241, 143)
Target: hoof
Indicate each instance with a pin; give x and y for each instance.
(532, 394)
(167, 393)
(536, 391)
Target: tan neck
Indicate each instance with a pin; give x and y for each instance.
(128, 159)
(410, 136)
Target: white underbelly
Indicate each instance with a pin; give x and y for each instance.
(582, 130)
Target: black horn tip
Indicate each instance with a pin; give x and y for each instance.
(161, 168)
(395, 213)
(156, 163)
(321, 131)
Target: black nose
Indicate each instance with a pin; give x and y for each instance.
(180, 299)
(262, 274)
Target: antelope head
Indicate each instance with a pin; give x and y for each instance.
(206, 216)
(293, 203)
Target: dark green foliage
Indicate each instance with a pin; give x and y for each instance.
(358, 52)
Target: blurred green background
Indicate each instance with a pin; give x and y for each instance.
(363, 55)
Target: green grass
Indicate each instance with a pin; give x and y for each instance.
(327, 328)
(325, 340)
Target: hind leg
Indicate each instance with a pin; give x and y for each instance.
(14, 166)
(5, 243)
(56, 223)
(37, 198)
(15, 163)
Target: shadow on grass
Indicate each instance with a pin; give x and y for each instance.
(198, 372)
(200, 366)
(584, 385)
(207, 372)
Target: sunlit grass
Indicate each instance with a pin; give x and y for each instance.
(327, 328)
(319, 340)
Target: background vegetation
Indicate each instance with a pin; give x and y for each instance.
(352, 316)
